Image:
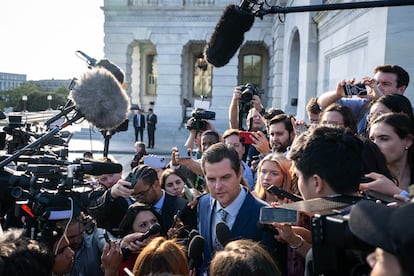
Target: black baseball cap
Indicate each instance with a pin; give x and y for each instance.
(389, 228)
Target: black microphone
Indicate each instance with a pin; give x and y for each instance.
(191, 235)
(101, 99)
(228, 34)
(90, 60)
(154, 229)
(195, 252)
(223, 233)
(99, 168)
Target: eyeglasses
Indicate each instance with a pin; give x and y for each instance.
(142, 193)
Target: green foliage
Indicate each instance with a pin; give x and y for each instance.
(36, 97)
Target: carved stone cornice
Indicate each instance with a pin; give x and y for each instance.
(330, 22)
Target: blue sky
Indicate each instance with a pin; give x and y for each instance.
(39, 37)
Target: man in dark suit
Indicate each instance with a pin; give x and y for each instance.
(222, 170)
(139, 125)
(145, 187)
(151, 125)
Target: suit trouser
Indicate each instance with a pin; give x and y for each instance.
(139, 130)
(151, 136)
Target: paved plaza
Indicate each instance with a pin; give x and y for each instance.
(121, 144)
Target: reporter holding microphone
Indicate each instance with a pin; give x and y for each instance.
(138, 227)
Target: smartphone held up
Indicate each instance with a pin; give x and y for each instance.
(358, 89)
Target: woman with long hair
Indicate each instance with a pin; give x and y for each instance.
(176, 184)
(274, 170)
(393, 133)
(137, 220)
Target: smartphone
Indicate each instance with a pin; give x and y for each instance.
(282, 194)
(245, 137)
(277, 214)
(355, 89)
(183, 151)
(154, 161)
(386, 199)
(131, 178)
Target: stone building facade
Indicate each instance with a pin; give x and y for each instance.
(293, 57)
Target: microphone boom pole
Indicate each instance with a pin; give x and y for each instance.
(335, 6)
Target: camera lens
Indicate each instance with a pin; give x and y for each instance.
(247, 96)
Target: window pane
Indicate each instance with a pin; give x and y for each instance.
(252, 70)
(151, 73)
(202, 79)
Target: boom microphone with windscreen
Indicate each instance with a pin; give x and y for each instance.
(100, 98)
(228, 35)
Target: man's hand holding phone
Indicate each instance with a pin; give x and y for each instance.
(122, 188)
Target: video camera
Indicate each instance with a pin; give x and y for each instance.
(335, 250)
(197, 119)
(45, 193)
(21, 135)
(248, 91)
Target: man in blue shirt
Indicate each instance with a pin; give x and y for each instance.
(388, 79)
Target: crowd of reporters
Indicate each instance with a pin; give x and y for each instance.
(359, 146)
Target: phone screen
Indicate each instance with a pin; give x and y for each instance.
(355, 89)
(278, 214)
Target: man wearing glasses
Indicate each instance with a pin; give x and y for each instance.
(142, 185)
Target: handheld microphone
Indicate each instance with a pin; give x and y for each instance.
(191, 235)
(155, 228)
(223, 233)
(99, 168)
(90, 60)
(195, 252)
(228, 34)
(100, 98)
